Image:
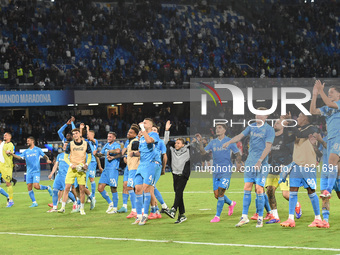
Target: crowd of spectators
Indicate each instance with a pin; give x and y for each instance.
(44, 126)
(77, 44)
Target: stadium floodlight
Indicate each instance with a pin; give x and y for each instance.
(119, 104)
(95, 104)
(72, 105)
(177, 102)
(138, 103)
(158, 103)
(260, 100)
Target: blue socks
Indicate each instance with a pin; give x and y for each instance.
(227, 200)
(147, 200)
(325, 214)
(3, 192)
(246, 201)
(43, 187)
(220, 204)
(153, 209)
(106, 197)
(132, 199)
(55, 197)
(139, 204)
(315, 203)
(260, 204)
(71, 196)
(293, 198)
(125, 198)
(31, 194)
(159, 196)
(115, 199)
(93, 188)
(266, 203)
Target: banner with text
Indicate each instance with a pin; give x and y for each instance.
(36, 98)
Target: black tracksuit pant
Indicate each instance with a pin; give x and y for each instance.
(179, 185)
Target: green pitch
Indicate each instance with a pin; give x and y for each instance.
(202, 235)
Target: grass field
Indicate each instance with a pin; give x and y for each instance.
(25, 229)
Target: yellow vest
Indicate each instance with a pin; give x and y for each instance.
(5, 74)
(20, 72)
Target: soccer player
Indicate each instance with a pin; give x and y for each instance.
(302, 169)
(222, 167)
(109, 176)
(75, 156)
(32, 157)
(280, 155)
(146, 170)
(59, 182)
(132, 162)
(331, 112)
(256, 166)
(160, 170)
(91, 173)
(6, 165)
(2, 191)
(68, 135)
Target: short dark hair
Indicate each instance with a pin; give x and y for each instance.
(154, 125)
(113, 133)
(149, 119)
(222, 125)
(135, 129)
(181, 139)
(75, 130)
(8, 133)
(31, 137)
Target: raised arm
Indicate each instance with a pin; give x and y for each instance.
(323, 95)
(313, 110)
(167, 132)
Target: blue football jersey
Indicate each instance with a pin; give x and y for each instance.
(94, 147)
(32, 157)
(332, 119)
(111, 164)
(148, 152)
(161, 150)
(221, 156)
(259, 136)
(62, 165)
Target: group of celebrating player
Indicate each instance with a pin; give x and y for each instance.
(144, 154)
(294, 152)
(289, 169)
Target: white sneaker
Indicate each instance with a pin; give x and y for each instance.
(259, 223)
(109, 208)
(61, 210)
(143, 221)
(112, 210)
(242, 222)
(82, 212)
